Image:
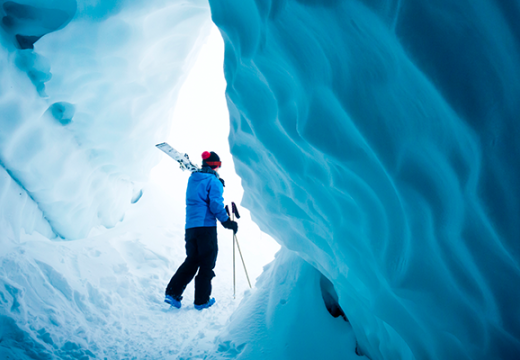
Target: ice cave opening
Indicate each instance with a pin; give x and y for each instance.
(200, 122)
(375, 140)
(88, 242)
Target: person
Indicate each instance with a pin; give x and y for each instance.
(204, 205)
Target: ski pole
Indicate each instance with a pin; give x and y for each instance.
(243, 263)
(234, 284)
(235, 239)
(234, 276)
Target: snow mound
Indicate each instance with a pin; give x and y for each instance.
(286, 318)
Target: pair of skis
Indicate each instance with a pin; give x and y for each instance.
(183, 159)
(186, 164)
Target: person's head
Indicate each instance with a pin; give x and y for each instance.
(211, 159)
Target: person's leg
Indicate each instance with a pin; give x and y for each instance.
(208, 249)
(187, 270)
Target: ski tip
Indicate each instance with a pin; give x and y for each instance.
(161, 144)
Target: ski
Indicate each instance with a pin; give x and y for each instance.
(183, 159)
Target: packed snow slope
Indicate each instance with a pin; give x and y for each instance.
(379, 141)
(102, 297)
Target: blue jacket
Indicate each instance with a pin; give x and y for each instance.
(204, 201)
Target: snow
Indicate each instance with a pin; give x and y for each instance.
(285, 318)
(103, 296)
(375, 141)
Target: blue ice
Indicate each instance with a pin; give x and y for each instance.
(377, 141)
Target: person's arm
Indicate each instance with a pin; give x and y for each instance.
(216, 200)
(216, 205)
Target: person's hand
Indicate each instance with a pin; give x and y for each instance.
(231, 225)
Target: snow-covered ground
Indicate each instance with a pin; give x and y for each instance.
(104, 295)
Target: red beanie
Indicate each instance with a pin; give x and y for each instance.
(211, 159)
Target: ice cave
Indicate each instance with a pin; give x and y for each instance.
(376, 141)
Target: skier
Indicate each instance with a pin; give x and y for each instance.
(204, 205)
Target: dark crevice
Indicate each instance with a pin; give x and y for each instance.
(27, 24)
(331, 300)
(330, 297)
(26, 42)
(359, 352)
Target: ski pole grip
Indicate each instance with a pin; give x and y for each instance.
(227, 210)
(235, 210)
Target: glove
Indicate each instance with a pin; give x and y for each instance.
(222, 181)
(231, 225)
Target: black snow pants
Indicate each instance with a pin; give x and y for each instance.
(201, 255)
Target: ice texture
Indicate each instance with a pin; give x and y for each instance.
(379, 141)
(88, 87)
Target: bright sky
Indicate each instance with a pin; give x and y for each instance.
(201, 123)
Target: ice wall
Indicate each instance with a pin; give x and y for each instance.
(378, 140)
(87, 89)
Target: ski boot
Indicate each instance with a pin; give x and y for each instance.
(206, 305)
(173, 301)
